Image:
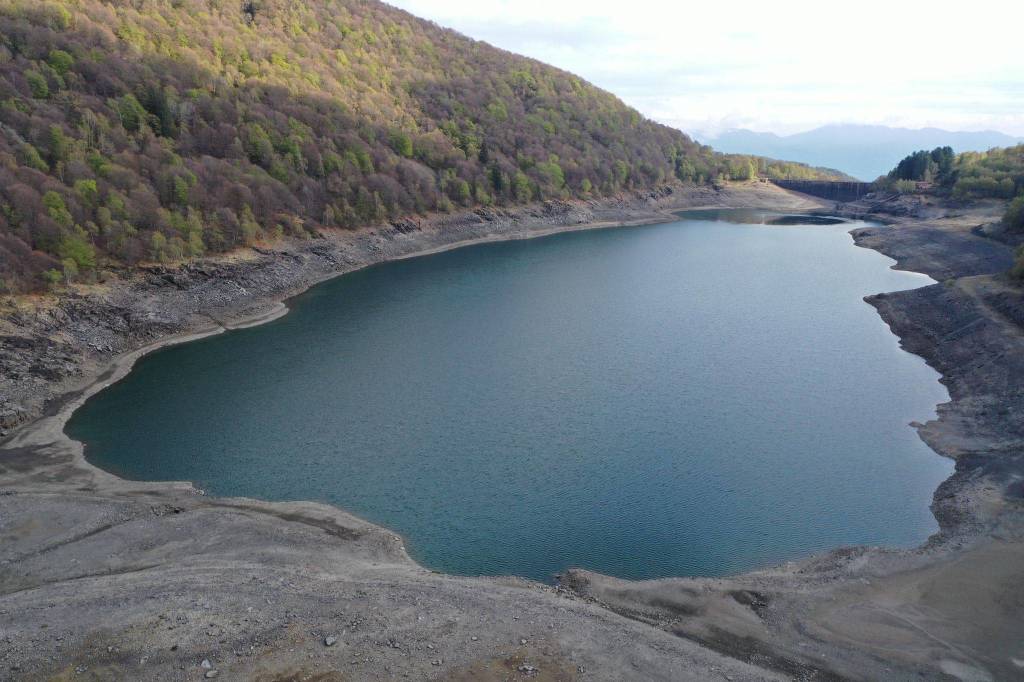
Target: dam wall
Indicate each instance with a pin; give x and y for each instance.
(827, 189)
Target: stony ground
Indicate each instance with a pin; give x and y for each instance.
(108, 579)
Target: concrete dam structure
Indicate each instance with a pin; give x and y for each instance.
(828, 189)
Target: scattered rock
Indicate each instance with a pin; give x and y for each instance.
(528, 669)
(206, 665)
(330, 640)
(210, 674)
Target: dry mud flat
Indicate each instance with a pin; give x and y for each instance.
(102, 578)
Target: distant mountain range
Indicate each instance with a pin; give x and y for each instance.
(863, 151)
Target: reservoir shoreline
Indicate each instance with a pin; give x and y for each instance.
(385, 387)
(754, 626)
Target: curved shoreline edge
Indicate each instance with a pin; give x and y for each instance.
(700, 625)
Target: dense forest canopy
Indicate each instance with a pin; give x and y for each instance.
(925, 166)
(137, 130)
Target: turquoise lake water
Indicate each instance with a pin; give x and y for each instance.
(695, 398)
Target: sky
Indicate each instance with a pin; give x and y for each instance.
(783, 66)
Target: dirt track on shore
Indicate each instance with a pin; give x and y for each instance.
(102, 578)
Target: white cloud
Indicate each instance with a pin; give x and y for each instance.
(779, 66)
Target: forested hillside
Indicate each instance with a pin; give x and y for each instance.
(135, 130)
(997, 173)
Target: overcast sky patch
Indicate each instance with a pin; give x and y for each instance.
(781, 66)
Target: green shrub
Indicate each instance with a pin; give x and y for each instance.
(52, 277)
(1014, 216)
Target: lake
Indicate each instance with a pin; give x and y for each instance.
(696, 398)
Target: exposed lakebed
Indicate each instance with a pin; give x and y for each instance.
(694, 398)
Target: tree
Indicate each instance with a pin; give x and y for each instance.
(521, 187)
(402, 144)
(75, 248)
(944, 159)
(29, 156)
(70, 267)
(742, 168)
(133, 115)
(258, 146)
(37, 84)
(87, 192)
(552, 175)
(57, 210)
(61, 61)
(926, 166)
(59, 144)
(158, 246)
